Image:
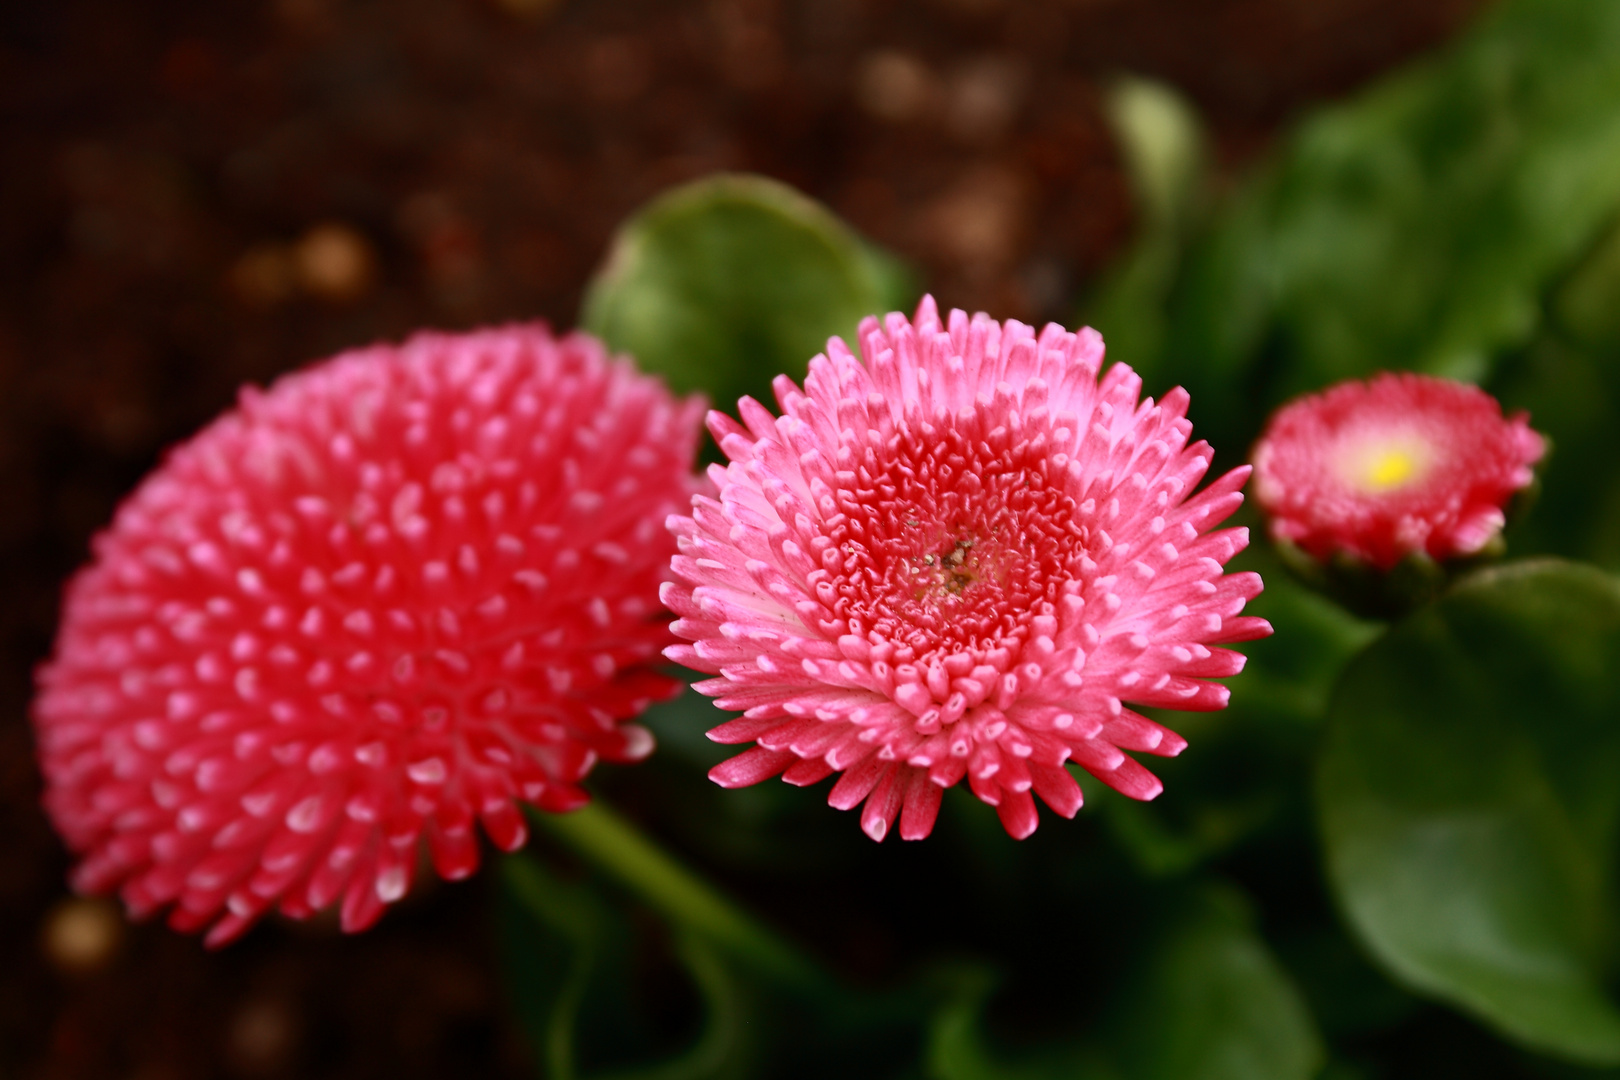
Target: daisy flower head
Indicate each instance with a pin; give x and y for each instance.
(1399, 465)
(395, 594)
(961, 554)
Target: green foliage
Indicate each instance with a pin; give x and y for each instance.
(1241, 780)
(1573, 396)
(581, 954)
(725, 283)
(957, 1049)
(1587, 305)
(1415, 227)
(1164, 154)
(1289, 676)
(1211, 1003)
(1469, 804)
(1459, 218)
(1206, 1002)
(571, 968)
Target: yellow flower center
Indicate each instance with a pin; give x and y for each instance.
(1390, 469)
(1384, 465)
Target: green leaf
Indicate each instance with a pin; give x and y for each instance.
(1468, 802)
(1212, 1003)
(1415, 227)
(1208, 1002)
(1163, 147)
(725, 283)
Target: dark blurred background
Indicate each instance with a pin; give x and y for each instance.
(197, 195)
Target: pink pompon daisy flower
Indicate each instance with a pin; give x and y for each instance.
(1383, 469)
(959, 555)
(396, 593)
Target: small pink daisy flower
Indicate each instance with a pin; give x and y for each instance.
(1401, 464)
(959, 556)
(396, 593)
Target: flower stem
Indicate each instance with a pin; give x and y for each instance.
(615, 846)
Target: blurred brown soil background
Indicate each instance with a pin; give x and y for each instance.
(197, 195)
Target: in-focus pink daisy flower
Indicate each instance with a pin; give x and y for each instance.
(396, 593)
(959, 556)
(1401, 464)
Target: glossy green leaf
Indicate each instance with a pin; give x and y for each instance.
(1469, 803)
(1415, 227)
(727, 282)
(1207, 1002)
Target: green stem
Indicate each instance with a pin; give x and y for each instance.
(614, 845)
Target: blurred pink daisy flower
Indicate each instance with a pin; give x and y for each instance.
(959, 556)
(1380, 470)
(396, 593)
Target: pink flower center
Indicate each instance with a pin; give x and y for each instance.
(953, 547)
